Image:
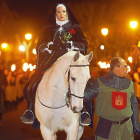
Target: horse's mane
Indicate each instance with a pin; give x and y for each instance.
(63, 62)
(69, 56)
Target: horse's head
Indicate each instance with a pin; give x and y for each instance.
(78, 75)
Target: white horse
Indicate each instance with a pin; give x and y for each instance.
(59, 97)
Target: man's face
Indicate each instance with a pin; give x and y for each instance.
(61, 13)
(122, 71)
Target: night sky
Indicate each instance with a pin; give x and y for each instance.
(34, 9)
(34, 12)
(37, 7)
(29, 8)
(38, 10)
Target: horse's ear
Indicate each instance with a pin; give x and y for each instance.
(89, 56)
(76, 56)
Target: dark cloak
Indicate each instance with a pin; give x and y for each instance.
(50, 29)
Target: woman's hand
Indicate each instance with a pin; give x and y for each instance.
(71, 48)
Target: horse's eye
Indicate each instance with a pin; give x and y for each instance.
(72, 78)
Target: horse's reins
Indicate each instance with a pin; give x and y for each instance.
(69, 94)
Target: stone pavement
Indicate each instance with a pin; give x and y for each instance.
(14, 129)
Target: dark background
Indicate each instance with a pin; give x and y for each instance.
(21, 16)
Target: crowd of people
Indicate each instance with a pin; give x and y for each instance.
(11, 89)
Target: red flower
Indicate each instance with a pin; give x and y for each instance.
(72, 31)
(43, 72)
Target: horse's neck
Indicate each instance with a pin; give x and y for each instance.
(55, 87)
(59, 72)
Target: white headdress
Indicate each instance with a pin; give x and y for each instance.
(61, 22)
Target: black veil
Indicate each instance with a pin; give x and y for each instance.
(52, 18)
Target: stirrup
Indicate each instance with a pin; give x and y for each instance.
(84, 124)
(26, 121)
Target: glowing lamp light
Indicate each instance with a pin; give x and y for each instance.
(34, 66)
(129, 69)
(108, 65)
(28, 36)
(138, 43)
(102, 47)
(24, 69)
(99, 63)
(31, 68)
(133, 24)
(13, 67)
(34, 51)
(4, 45)
(22, 48)
(103, 65)
(104, 31)
(130, 59)
(25, 66)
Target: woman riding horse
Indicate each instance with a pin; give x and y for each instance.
(62, 33)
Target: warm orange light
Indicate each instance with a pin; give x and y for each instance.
(103, 65)
(129, 69)
(104, 31)
(22, 48)
(139, 44)
(4, 45)
(130, 59)
(28, 36)
(133, 24)
(13, 67)
(27, 66)
(34, 51)
(102, 47)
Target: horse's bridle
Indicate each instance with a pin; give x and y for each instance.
(68, 94)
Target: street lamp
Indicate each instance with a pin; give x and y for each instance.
(102, 47)
(4, 45)
(27, 44)
(104, 31)
(34, 51)
(133, 24)
(28, 36)
(22, 48)
(13, 67)
(130, 59)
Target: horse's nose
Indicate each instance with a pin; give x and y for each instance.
(74, 110)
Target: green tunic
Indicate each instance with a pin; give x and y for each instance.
(105, 109)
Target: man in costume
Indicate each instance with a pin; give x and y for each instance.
(62, 33)
(116, 103)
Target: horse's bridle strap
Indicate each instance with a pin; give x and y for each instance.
(68, 89)
(77, 96)
(78, 65)
(49, 106)
(69, 94)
